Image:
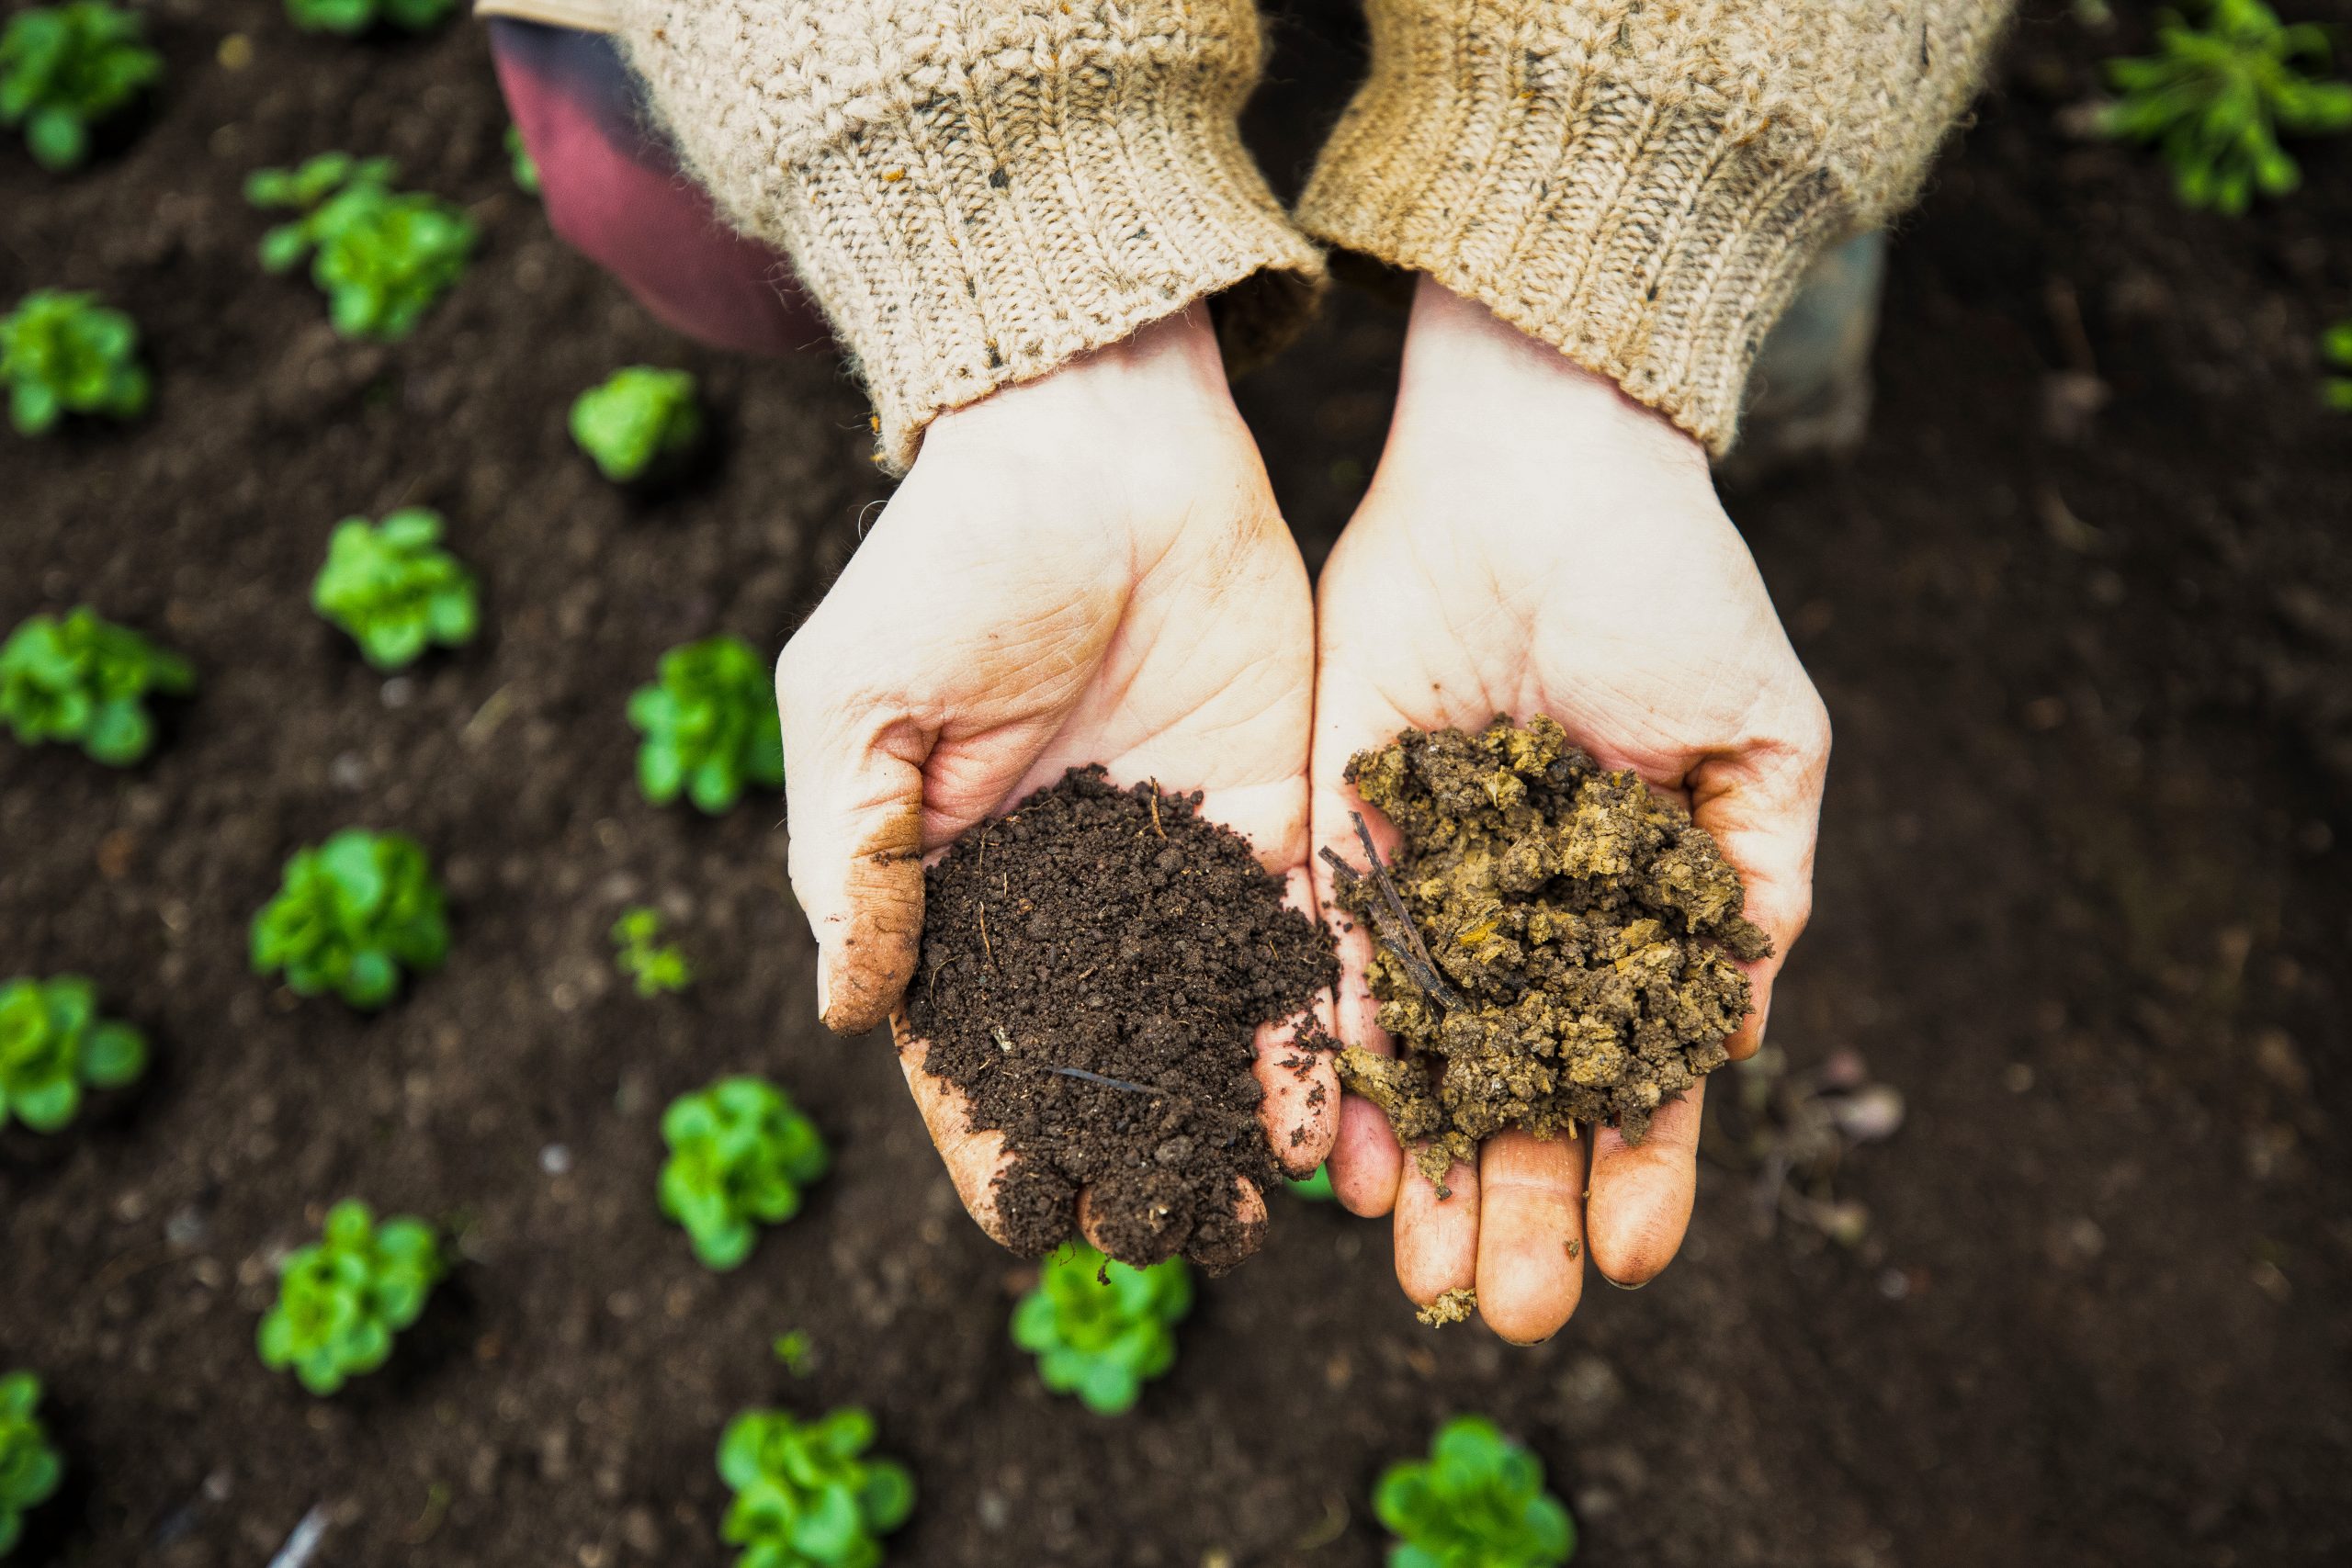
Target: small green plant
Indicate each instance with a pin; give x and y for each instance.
(30, 1468)
(63, 353)
(349, 17)
(395, 589)
(2335, 347)
(792, 1351)
(64, 68)
(342, 1299)
(525, 168)
(53, 1045)
(1100, 1329)
(2216, 99)
(637, 422)
(381, 256)
(84, 682)
(804, 1498)
(740, 1153)
(656, 966)
(352, 914)
(709, 724)
(1317, 1186)
(1478, 1501)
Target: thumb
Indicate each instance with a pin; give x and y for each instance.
(853, 808)
(1763, 809)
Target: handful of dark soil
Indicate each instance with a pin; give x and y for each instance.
(1555, 943)
(1093, 968)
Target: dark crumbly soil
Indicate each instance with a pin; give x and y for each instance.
(1137, 942)
(1582, 930)
(2084, 896)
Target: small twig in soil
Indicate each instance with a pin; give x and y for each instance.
(1106, 1082)
(1389, 922)
(1155, 811)
(986, 946)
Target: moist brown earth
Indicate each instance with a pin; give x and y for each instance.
(1555, 943)
(2085, 896)
(1095, 966)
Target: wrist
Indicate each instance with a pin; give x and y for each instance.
(1163, 385)
(1473, 388)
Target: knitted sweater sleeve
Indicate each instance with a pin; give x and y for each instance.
(1640, 182)
(978, 190)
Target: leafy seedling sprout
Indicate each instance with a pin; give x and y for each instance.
(29, 1467)
(740, 1155)
(805, 1494)
(2216, 99)
(341, 1300)
(2335, 347)
(710, 727)
(352, 914)
(350, 17)
(65, 353)
(395, 589)
(1100, 1328)
(84, 682)
(65, 68)
(655, 966)
(639, 423)
(520, 162)
(53, 1045)
(381, 256)
(1478, 1501)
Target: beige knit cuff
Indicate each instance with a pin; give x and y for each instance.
(1637, 235)
(975, 196)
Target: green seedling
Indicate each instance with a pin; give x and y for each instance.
(29, 1467)
(395, 589)
(1100, 1329)
(1317, 1186)
(53, 1045)
(352, 914)
(524, 168)
(65, 68)
(349, 17)
(2336, 348)
(62, 354)
(740, 1155)
(792, 1350)
(656, 966)
(1478, 1501)
(381, 256)
(638, 423)
(341, 1300)
(709, 724)
(2216, 99)
(84, 682)
(804, 1498)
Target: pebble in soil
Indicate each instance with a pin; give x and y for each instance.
(1555, 943)
(1094, 968)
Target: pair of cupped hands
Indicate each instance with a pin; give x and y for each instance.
(1090, 568)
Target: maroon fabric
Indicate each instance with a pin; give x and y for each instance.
(615, 193)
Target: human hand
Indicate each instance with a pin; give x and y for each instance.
(1536, 542)
(1088, 568)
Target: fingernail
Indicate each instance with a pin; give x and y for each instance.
(824, 986)
(1622, 1286)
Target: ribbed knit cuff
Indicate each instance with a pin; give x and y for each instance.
(1639, 234)
(975, 201)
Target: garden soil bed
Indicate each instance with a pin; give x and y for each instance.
(2083, 897)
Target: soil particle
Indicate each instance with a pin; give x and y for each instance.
(1095, 966)
(1555, 942)
(1454, 1306)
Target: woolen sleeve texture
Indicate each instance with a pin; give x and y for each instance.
(1642, 183)
(976, 191)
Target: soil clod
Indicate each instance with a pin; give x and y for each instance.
(1106, 1022)
(1556, 945)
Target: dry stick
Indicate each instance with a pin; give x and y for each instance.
(1155, 811)
(1390, 923)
